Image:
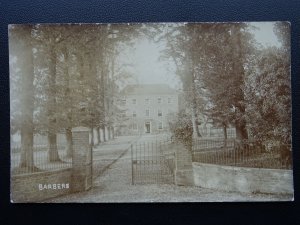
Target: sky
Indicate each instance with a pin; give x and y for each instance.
(265, 34)
(147, 68)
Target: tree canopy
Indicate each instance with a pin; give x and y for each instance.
(231, 79)
(71, 78)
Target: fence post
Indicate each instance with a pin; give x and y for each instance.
(234, 152)
(175, 167)
(81, 179)
(132, 175)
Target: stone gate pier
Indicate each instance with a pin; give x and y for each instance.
(81, 179)
(183, 161)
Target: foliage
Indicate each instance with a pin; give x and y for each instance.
(74, 80)
(210, 61)
(269, 97)
(231, 79)
(181, 128)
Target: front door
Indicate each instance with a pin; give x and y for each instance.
(147, 125)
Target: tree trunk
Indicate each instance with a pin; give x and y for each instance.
(104, 137)
(108, 132)
(113, 132)
(241, 131)
(27, 98)
(240, 125)
(225, 135)
(238, 68)
(92, 136)
(68, 101)
(102, 95)
(196, 132)
(52, 142)
(69, 149)
(52, 148)
(98, 135)
(27, 148)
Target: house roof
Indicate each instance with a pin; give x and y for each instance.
(148, 89)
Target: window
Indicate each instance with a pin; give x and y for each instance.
(147, 112)
(134, 101)
(159, 100)
(134, 114)
(134, 126)
(159, 112)
(160, 125)
(169, 100)
(147, 101)
(123, 102)
(123, 114)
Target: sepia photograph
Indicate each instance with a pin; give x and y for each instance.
(150, 112)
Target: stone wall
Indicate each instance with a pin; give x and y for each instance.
(36, 187)
(248, 180)
(40, 186)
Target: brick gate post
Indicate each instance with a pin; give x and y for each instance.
(184, 169)
(82, 160)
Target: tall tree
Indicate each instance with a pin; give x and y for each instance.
(74, 79)
(50, 40)
(180, 45)
(225, 51)
(210, 61)
(21, 48)
(268, 90)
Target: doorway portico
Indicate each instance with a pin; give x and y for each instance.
(148, 127)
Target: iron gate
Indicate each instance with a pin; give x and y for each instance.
(153, 163)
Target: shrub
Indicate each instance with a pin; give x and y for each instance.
(181, 128)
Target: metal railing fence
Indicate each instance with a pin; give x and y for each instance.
(246, 154)
(39, 160)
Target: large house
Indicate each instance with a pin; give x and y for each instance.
(146, 108)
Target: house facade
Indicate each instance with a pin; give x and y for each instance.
(146, 108)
